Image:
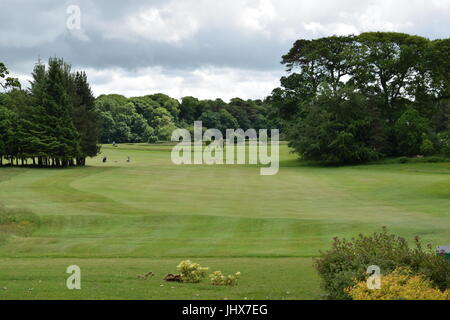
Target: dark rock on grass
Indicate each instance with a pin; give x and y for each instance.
(172, 278)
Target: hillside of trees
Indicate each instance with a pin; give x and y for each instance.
(349, 99)
(153, 118)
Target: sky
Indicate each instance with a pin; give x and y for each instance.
(203, 48)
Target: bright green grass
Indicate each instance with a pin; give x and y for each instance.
(119, 220)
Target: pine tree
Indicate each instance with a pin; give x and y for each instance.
(36, 121)
(85, 118)
(59, 138)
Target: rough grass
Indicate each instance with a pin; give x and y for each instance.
(118, 220)
(17, 222)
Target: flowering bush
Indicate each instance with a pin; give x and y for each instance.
(191, 272)
(218, 279)
(401, 284)
(346, 262)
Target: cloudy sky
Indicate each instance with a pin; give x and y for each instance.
(203, 48)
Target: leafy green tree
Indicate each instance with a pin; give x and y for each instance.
(392, 71)
(188, 109)
(210, 119)
(325, 60)
(333, 129)
(389, 64)
(444, 143)
(170, 104)
(412, 130)
(5, 81)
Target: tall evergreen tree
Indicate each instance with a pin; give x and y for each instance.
(85, 118)
(50, 90)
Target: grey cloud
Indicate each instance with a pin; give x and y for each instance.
(244, 35)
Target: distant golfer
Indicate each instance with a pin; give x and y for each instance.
(128, 160)
(105, 159)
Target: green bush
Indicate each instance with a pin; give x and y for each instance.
(347, 262)
(218, 279)
(435, 159)
(426, 148)
(191, 272)
(152, 139)
(410, 131)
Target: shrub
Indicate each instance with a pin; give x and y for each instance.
(191, 272)
(347, 261)
(152, 139)
(426, 148)
(435, 159)
(444, 140)
(401, 284)
(403, 159)
(218, 279)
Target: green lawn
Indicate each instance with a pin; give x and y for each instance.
(118, 220)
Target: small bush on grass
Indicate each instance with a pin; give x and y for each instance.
(401, 284)
(191, 272)
(218, 279)
(347, 261)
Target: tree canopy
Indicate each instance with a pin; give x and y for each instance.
(353, 98)
(153, 118)
(53, 123)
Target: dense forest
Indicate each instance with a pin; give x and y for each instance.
(350, 99)
(153, 118)
(345, 99)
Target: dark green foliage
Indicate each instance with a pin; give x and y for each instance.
(85, 117)
(404, 80)
(52, 124)
(5, 81)
(347, 261)
(120, 120)
(334, 129)
(444, 143)
(6, 131)
(411, 131)
(153, 118)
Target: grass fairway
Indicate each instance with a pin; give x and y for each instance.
(118, 220)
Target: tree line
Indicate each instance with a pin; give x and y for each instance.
(153, 118)
(345, 99)
(349, 99)
(51, 124)
(58, 122)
